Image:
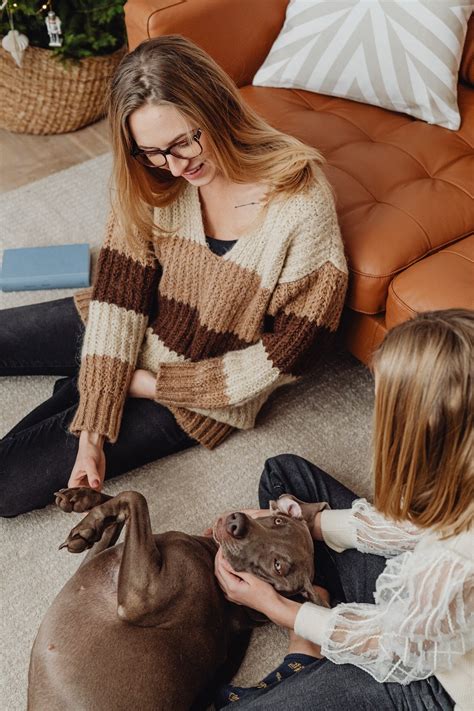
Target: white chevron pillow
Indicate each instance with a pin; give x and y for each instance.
(402, 55)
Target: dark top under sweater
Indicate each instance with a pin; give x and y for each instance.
(220, 246)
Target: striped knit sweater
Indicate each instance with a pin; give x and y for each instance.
(220, 332)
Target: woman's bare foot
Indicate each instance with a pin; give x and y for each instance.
(299, 645)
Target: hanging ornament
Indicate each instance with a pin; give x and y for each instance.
(15, 43)
(53, 25)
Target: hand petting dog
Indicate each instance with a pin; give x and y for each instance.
(246, 589)
(250, 590)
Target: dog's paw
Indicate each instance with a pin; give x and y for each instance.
(84, 535)
(77, 499)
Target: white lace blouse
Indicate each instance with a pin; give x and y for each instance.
(422, 619)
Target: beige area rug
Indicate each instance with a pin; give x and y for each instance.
(325, 418)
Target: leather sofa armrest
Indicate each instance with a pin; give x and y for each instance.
(238, 34)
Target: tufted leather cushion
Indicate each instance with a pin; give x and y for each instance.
(442, 281)
(404, 187)
(212, 25)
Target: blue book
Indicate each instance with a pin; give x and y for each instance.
(61, 266)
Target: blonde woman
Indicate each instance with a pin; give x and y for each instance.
(400, 634)
(221, 277)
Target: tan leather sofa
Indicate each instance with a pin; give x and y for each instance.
(404, 188)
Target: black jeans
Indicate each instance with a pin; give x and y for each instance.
(350, 577)
(38, 454)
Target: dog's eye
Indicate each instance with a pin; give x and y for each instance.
(278, 521)
(277, 566)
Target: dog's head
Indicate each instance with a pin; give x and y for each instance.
(278, 548)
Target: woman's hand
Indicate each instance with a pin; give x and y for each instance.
(142, 384)
(89, 467)
(247, 589)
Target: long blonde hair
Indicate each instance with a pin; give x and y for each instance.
(423, 422)
(172, 70)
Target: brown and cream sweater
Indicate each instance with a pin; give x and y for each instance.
(220, 332)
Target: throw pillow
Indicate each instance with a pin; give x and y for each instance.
(402, 55)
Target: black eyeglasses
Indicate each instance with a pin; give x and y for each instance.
(188, 147)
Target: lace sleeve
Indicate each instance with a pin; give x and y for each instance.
(422, 619)
(379, 535)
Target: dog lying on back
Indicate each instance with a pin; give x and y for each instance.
(144, 624)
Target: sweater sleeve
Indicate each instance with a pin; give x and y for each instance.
(118, 315)
(305, 308)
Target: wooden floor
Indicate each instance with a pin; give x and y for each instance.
(24, 158)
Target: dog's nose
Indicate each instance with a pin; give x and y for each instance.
(236, 524)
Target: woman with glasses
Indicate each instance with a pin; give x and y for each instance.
(221, 277)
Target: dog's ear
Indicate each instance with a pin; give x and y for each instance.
(288, 505)
(293, 507)
(312, 596)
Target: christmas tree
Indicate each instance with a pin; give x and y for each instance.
(86, 27)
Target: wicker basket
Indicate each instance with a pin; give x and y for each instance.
(46, 96)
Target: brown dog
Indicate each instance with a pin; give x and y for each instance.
(143, 624)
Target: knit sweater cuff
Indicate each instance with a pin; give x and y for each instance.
(192, 384)
(82, 301)
(98, 413)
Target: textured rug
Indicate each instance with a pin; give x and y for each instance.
(325, 418)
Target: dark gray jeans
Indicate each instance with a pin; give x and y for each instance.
(38, 454)
(350, 577)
